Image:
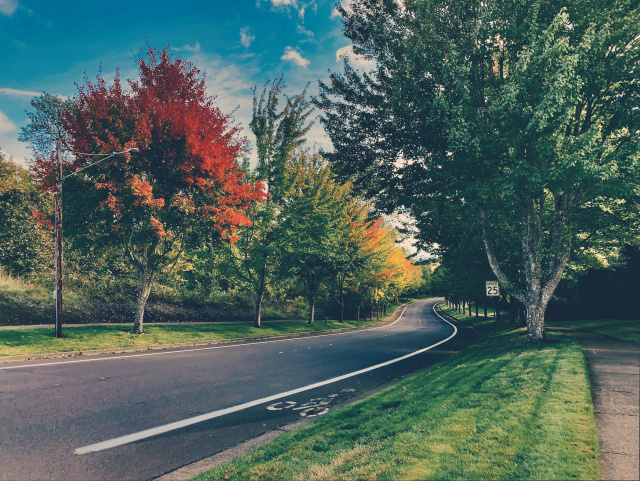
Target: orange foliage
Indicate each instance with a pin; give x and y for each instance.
(42, 220)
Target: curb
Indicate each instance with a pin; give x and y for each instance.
(453, 319)
(160, 347)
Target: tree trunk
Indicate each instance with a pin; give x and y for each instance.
(259, 297)
(535, 322)
(484, 305)
(358, 314)
(145, 280)
(258, 312)
(522, 316)
(312, 307)
(541, 273)
(513, 310)
(476, 304)
(469, 306)
(341, 305)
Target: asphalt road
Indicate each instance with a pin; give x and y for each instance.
(106, 418)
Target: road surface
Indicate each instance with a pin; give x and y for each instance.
(138, 416)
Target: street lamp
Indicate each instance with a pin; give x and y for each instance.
(58, 227)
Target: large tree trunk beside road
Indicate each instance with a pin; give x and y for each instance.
(542, 264)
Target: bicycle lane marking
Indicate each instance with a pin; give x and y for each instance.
(148, 433)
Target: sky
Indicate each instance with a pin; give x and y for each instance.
(53, 46)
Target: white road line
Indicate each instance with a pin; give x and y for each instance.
(147, 433)
(179, 351)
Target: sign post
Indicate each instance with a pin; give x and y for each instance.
(493, 291)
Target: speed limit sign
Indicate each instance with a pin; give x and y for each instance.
(493, 289)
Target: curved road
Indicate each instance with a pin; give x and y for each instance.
(138, 416)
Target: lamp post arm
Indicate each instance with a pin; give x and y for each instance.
(133, 149)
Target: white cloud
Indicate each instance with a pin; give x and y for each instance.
(356, 61)
(245, 38)
(304, 31)
(6, 125)
(346, 4)
(15, 150)
(7, 7)
(228, 84)
(300, 7)
(294, 56)
(187, 48)
(19, 93)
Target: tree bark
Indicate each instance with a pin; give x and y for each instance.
(341, 302)
(258, 312)
(260, 297)
(535, 322)
(540, 282)
(145, 280)
(312, 307)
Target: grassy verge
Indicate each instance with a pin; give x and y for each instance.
(623, 329)
(84, 338)
(501, 409)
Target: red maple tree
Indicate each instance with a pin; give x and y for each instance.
(184, 180)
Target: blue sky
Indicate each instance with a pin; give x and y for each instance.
(49, 46)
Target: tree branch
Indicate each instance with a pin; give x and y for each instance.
(493, 261)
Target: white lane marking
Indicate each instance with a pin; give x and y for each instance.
(179, 351)
(147, 433)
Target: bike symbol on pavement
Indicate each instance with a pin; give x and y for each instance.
(314, 407)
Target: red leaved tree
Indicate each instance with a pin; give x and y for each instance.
(185, 181)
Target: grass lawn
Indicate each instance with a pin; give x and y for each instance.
(501, 409)
(40, 340)
(623, 329)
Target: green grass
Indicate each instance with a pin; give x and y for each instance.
(84, 338)
(623, 329)
(501, 409)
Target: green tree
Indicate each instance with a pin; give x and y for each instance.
(526, 111)
(278, 134)
(25, 242)
(45, 123)
(351, 256)
(315, 226)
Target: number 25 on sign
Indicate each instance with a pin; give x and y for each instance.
(493, 290)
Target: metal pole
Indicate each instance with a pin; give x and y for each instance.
(58, 291)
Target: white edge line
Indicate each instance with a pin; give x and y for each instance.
(178, 350)
(147, 433)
